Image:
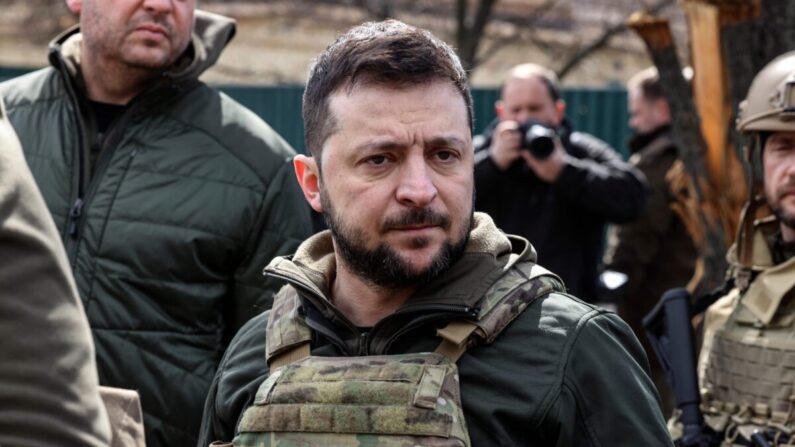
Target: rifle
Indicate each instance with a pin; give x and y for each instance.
(670, 332)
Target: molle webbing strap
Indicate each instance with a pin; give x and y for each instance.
(501, 304)
(288, 336)
(455, 337)
(291, 355)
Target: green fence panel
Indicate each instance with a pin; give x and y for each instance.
(601, 112)
(279, 106)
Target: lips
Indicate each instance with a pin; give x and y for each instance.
(152, 28)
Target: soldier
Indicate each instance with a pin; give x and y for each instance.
(413, 320)
(747, 362)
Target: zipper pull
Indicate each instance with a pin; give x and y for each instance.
(74, 216)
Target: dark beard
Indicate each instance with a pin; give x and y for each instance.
(382, 266)
(786, 219)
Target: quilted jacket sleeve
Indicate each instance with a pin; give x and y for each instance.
(283, 223)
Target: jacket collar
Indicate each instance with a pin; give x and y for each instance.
(488, 254)
(645, 142)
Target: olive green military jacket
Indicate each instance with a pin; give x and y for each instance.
(563, 373)
(191, 196)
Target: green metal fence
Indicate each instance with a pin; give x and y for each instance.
(601, 112)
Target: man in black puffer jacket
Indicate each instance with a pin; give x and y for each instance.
(560, 203)
(170, 197)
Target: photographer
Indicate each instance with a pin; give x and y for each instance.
(560, 202)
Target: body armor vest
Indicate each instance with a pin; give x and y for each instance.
(386, 400)
(750, 371)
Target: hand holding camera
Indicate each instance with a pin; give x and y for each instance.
(536, 143)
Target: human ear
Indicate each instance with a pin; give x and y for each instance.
(499, 109)
(308, 175)
(560, 110)
(74, 5)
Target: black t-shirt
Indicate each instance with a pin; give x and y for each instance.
(104, 115)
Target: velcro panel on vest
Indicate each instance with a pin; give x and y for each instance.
(410, 398)
(751, 371)
(511, 295)
(285, 329)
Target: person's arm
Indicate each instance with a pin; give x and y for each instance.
(600, 182)
(242, 370)
(49, 393)
(607, 397)
(283, 223)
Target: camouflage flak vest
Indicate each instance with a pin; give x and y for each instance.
(388, 400)
(749, 378)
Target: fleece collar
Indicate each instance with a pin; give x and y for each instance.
(488, 254)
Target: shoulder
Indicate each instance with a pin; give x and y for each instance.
(233, 127)
(660, 153)
(589, 142)
(30, 89)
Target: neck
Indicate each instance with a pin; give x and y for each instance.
(113, 82)
(362, 302)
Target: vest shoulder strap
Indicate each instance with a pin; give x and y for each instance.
(288, 335)
(505, 300)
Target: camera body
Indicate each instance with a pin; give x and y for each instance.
(537, 138)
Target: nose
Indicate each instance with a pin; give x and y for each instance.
(158, 6)
(523, 116)
(416, 188)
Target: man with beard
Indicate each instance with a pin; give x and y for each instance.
(747, 362)
(413, 320)
(560, 202)
(655, 251)
(169, 197)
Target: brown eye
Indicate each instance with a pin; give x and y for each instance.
(377, 160)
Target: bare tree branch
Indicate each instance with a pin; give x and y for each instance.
(526, 24)
(603, 39)
(469, 31)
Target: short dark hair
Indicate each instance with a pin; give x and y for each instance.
(648, 83)
(387, 53)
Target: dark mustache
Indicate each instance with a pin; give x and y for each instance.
(414, 217)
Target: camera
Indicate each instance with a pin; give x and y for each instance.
(537, 138)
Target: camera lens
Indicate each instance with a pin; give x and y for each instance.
(538, 139)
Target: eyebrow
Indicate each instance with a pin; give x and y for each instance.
(451, 141)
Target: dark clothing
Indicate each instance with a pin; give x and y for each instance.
(49, 393)
(563, 373)
(656, 252)
(191, 196)
(564, 220)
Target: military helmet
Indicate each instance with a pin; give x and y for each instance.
(769, 105)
